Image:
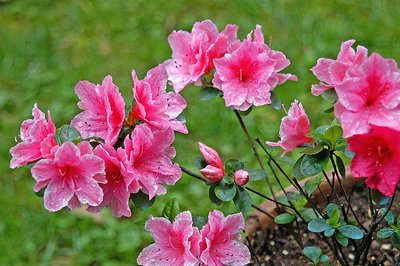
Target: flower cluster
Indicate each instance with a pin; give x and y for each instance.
(368, 108)
(180, 243)
(134, 153)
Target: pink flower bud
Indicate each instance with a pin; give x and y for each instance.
(211, 156)
(241, 177)
(212, 173)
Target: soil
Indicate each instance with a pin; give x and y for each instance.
(277, 245)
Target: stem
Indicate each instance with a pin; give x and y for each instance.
(263, 211)
(253, 253)
(266, 197)
(255, 152)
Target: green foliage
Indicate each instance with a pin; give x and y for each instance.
(232, 165)
(351, 231)
(242, 200)
(171, 209)
(209, 93)
(226, 189)
(315, 254)
(284, 218)
(67, 133)
(142, 201)
(257, 174)
(276, 102)
(312, 165)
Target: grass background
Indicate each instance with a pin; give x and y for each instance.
(47, 46)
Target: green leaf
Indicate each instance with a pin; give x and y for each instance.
(214, 197)
(322, 129)
(311, 185)
(334, 220)
(248, 111)
(318, 225)
(199, 221)
(296, 172)
(329, 232)
(330, 208)
(224, 191)
(314, 164)
(323, 258)
(242, 200)
(142, 201)
(313, 150)
(66, 133)
(275, 101)
(200, 163)
(340, 166)
(351, 231)
(313, 253)
(332, 134)
(389, 217)
(209, 93)
(232, 165)
(330, 96)
(329, 110)
(257, 174)
(40, 193)
(379, 198)
(395, 238)
(171, 209)
(228, 180)
(385, 232)
(284, 218)
(341, 239)
(308, 214)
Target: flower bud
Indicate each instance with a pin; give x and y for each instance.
(211, 156)
(241, 177)
(212, 173)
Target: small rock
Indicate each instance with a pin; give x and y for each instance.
(351, 256)
(272, 243)
(285, 252)
(267, 258)
(375, 244)
(386, 246)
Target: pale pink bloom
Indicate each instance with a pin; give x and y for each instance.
(37, 139)
(370, 95)
(193, 53)
(153, 105)
(293, 129)
(103, 110)
(72, 177)
(332, 72)
(151, 153)
(175, 244)
(249, 73)
(220, 243)
(241, 177)
(214, 171)
(377, 158)
(121, 180)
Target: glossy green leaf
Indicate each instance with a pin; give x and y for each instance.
(66, 133)
(314, 164)
(232, 165)
(340, 166)
(385, 232)
(296, 172)
(318, 225)
(199, 221)
(341, 239)
(214, 197)
(284, 218)
(200, 163)
(224, 191)
(257, 174)
(142, 201)
(242, 200)
(209, 93)
(171, 209)
(351, 231)
(313, 253)
(275, 101)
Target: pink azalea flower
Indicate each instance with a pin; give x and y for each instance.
(220, 243)
(121, 180)
(332, 72)
(153, 105)
(71, 178)
(377, 158)
(249, 73)
(293, 129)
(214, 171)
(175, 244)
(37, 139)
(151, 154)
(193, 53)
(370, 95)
(241, 177)
(103, 110)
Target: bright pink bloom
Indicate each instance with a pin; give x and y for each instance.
(377, 158)
(175, 244)
(71, 178)
(249, 73)
(155, 106)
(333, 72)
(193, 53)
(220, 243)
(293, 129)
(37, 139)
(103, 110)
(121, 180)
(370, 95)
(241, 177)
(151, 154)
(214, 171)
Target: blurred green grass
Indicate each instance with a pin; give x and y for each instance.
(47, 46)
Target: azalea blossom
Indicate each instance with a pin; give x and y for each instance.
(293, 129)
(103, 110)
(214, 171)
(151, 153)
(193, 53)
(370, 95)
(241, 177)
(153, 105)
(332, 72)
(220, 243)
(175, 244)
(121, 180)
(249, 73)
(71, 178)
(377, 158)
(37, 139)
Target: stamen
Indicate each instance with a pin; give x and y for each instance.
(240, 74)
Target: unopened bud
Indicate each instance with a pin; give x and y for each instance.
(241, 177)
